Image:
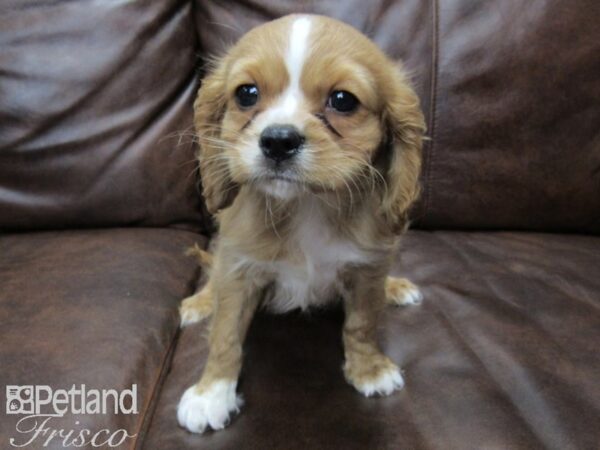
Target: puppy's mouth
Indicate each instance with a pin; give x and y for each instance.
(286, 174)
(282, 177)
(283, 185)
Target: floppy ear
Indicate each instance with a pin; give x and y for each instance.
(405, 127)
(217, 187)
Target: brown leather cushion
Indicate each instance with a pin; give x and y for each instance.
(91, 307)
(503, 353)
(510, 91)
(93, 98)
(516, 135)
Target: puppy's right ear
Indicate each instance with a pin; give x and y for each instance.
(218, 189)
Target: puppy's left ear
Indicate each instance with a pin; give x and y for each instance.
(405, 127)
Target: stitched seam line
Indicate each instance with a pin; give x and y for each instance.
(432, 105)
(160, 379)
(144, 424)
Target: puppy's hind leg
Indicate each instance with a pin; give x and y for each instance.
(401, 291)
(200, 305)
(196, 307)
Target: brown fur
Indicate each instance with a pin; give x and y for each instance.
(364, 182)
(200, 305)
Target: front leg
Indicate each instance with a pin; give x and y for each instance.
(366, 367)
(213, 399)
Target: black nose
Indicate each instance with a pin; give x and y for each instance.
(280, 142)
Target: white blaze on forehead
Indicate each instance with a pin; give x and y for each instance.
(283, 110)
(297, 50)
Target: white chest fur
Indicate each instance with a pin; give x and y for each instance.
(310, 275)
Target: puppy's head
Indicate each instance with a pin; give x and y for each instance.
(303, 105)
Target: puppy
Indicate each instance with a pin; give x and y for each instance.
(310, 151)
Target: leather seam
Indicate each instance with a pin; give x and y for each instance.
(432, 106)
(160, 379)
(155, 391)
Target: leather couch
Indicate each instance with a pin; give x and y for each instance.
(99, 199)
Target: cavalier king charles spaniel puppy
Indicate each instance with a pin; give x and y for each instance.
(310, 152)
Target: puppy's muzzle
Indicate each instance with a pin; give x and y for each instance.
(280, 142)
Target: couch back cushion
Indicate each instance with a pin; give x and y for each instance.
(510, 90)
(95, 107)
(516, 128)
(95, 111)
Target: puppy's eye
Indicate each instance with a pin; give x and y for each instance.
(342, 101)
(246, 95)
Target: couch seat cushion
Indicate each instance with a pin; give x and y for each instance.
(97, 308)
(503, 353)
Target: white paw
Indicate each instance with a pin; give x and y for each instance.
(389, 381)
(211, 408)
(411, 296)
(189, 316)
(195, 308)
